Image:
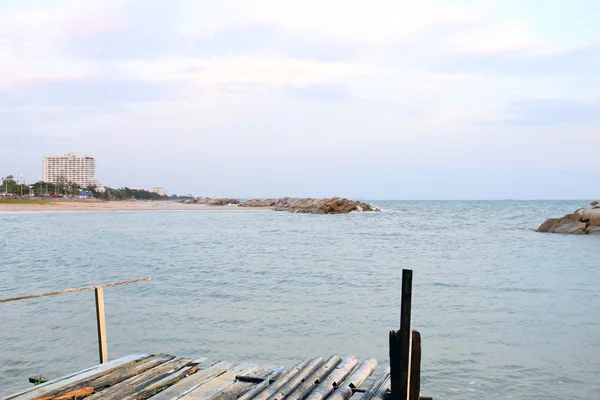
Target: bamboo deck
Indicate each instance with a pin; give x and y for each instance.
(166, 377)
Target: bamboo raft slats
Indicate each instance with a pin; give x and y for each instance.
(166, 377)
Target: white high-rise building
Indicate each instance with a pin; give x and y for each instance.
(80, 170)
(159, 191)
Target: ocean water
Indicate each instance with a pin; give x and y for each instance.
(504, 312)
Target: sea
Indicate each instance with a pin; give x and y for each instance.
(504, 312)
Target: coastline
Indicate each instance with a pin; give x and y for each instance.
(124, 205)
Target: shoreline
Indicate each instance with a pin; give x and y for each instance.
(124, 205)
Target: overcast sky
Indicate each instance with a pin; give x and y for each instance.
(379, 99)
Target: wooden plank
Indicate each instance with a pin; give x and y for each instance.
(101, 325)
(297, 379)
(139, 382)
(379, 387)
(219, 383)
(68, 380)
(336, 377)
(116, 376)
(119, 375)
(272, 388)
(194, 381)
(314, 379)
(158, 385)
(354, 381)
(400, 343)
(83, 392)
(238, 388)
(415, 367)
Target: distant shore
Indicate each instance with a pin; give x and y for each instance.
(124, 205)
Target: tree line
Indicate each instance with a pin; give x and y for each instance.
(11, 187)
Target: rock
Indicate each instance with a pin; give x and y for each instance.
(571, 227)
(545, 227)
(587, 213)
(595, 204)
(582, 221)
(335, 205)
(217, 202)
(593, 230)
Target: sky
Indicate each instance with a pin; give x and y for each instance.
(385, 99)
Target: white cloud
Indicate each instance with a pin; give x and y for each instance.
(496, 37)
(390, 99)
(263, 70)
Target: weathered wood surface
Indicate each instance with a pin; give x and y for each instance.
(233, 391)
(270, 390)
(378, 389)
(160, 384)
(128, 372)
(415, 367)
(66, 381)
(297, 379)
(219, 383)
(334, 378)
(165, 377)
(194, 381)
(354, 381)
(314, 379)
(137, 383)
(118, 375)
(86, 391)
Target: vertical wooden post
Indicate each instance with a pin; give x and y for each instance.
(400, 343)
(415, 367)
(101, 325)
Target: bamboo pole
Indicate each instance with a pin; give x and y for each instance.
(81, 289)
(101, 322)
(354, 381)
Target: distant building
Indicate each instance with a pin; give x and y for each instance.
(80, 170)
(159, 191)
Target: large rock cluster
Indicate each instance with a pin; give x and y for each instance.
(585, 221)
(334, 205)
(212, 202)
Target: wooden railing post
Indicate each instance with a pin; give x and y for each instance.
(101, 322)
(400, 343)
(415, 367)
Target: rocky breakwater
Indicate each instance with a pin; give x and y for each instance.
(335, 205)
(585, 221)
(212, 202)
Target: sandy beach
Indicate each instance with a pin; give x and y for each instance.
(126, 205)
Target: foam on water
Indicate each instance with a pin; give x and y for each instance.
(504, 312)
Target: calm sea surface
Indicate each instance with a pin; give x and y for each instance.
(504, 312)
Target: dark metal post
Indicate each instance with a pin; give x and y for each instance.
(400, 343)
